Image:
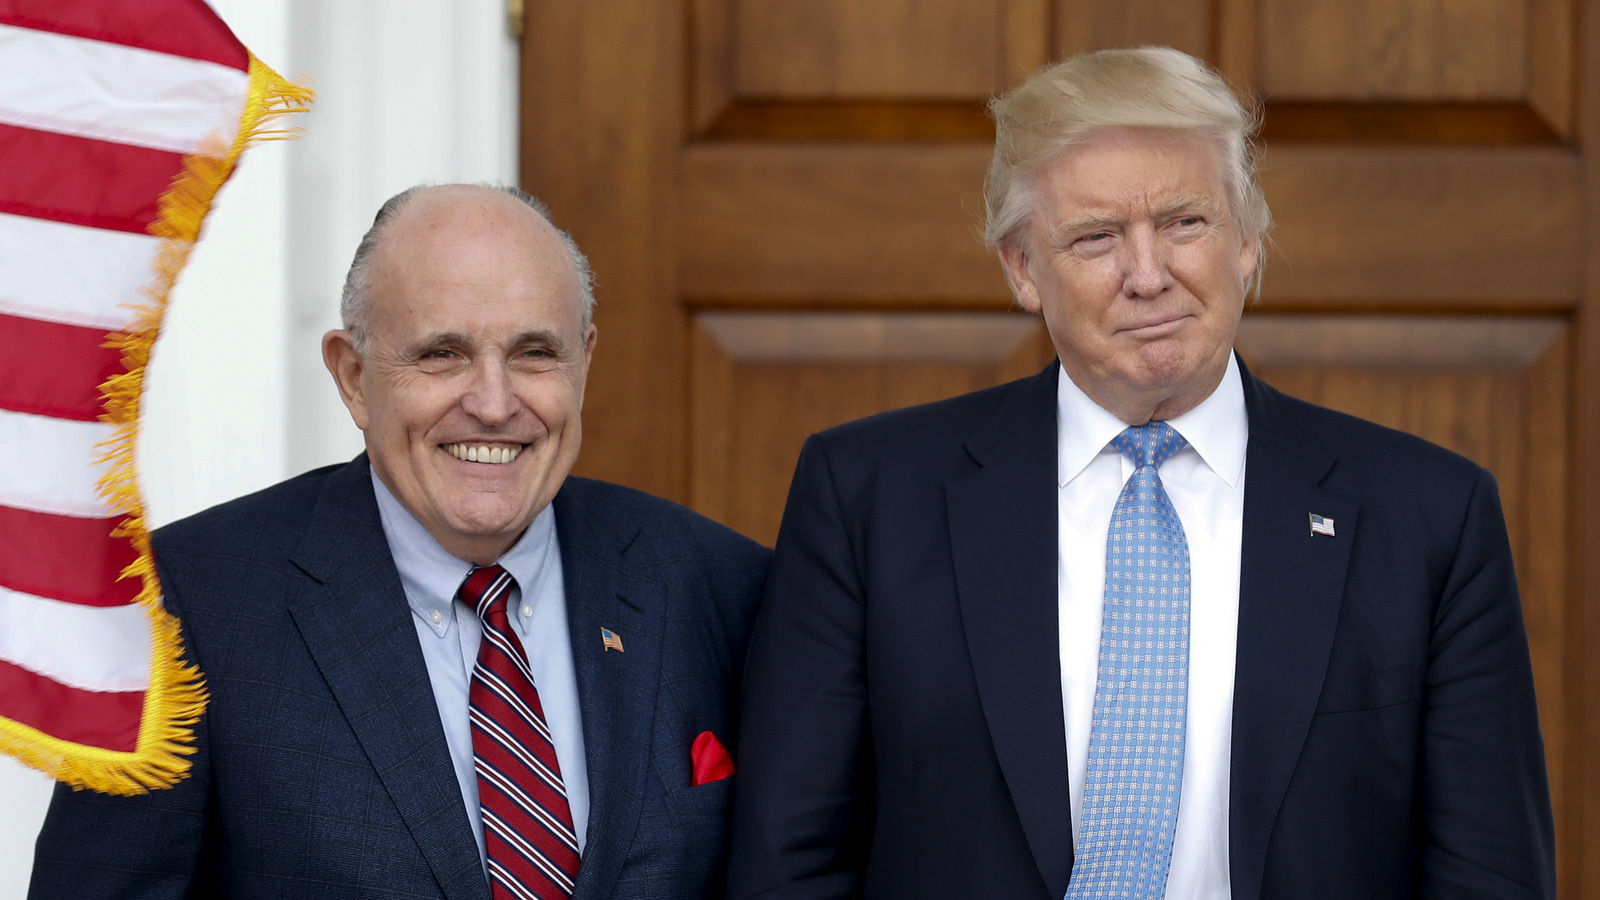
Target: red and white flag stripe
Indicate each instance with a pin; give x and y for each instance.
(118, 123)
(51, 462)
(116, 93)
(42, 275)
(91, 648)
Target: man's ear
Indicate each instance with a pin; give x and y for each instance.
(1019, 274)
(590, 336)
(346, 365)
(1249, 258)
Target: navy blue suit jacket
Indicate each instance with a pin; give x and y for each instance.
(321, 767)
(902, 727)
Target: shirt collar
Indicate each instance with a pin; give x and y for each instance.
(1217, 428)
(431, 576)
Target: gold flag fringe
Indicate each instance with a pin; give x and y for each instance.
(176, 697)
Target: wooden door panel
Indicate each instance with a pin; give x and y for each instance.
(1552, 61)
(1493, 389)
(791, 222)
(887, 48)
(1424, 226)
(762, 381)
(1084, 25)
(1368, 63)
(775, 64)
(1394, 50)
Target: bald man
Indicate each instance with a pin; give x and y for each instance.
(444, 669)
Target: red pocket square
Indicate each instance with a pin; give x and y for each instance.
(710, 758)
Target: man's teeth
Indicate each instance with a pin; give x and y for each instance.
(482, 453)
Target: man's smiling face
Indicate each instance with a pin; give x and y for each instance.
(471, 381)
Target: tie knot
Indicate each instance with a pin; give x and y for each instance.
(484, 586)
(1150, 444)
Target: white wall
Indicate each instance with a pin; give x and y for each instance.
(237, 399)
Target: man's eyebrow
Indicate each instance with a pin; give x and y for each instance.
(542, 337)
(1167, 207)
(1171, 205)
(1091, 222)
(439, 339)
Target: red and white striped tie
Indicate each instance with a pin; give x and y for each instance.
(527, 825)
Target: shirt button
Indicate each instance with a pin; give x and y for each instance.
(436, 616)
(526, 611)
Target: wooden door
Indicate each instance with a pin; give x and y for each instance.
(782, 199)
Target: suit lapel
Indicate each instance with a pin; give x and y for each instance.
(1003, 537)
(616, 691)
(1290, 589)
(357, 626)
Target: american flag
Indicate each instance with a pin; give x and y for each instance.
(119, 121)
(1321, 525)
(610, 640)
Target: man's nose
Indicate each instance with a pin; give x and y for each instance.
(491, 399)
(1144, 271)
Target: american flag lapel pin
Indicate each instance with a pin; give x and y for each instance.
(610, 640)
(1321, 525)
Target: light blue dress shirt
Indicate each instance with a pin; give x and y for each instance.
(450, 632)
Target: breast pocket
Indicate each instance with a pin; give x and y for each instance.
(1371, 689)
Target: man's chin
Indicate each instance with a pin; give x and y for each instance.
(480, 526)
(1168, 364)
(478, 540)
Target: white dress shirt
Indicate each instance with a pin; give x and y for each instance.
(1206, 483)
(450, 634)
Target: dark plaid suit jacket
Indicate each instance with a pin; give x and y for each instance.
(321, 767)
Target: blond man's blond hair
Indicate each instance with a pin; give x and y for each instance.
(1151, 87)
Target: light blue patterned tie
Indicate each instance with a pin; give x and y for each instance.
(1135, 773)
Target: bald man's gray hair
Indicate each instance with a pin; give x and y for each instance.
(355, 302)
(1151, 87)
